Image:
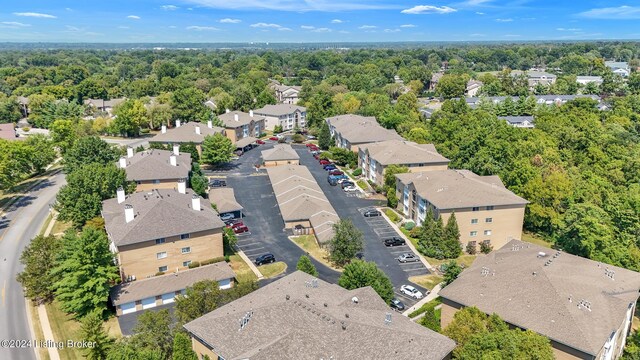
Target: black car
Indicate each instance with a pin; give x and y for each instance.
(394, 241)
(359, 256)
(329, 167)
(397, 305)
(217, 183)
(265, 259)
(344, 184)
(371, 213)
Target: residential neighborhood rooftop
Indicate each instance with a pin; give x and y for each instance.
(225, 199)
(155, 164)
(234, 119)
(300, 317)
(163, 284)
(279, 109)
(187, 133)
(404, 152)
(8, 131)
(280, 152)
(156, 214)
(359, 129)
(572, 300)
(452, 189)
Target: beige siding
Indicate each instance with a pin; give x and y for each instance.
(232, 134)
(281, 162)
(147, 185)
(140, 260)
(201, 350)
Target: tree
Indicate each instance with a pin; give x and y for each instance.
(324, 137)
(346, 243)
(305, 264)
(124, 349)
(81, 198)
(188, 105)
(198, 180)
(153, 332)
(92, 330)
(230, 239)
(200, 298)
(390, 175)
(191, 149)
(85, 271)
(216, 149)
(129, 117)
(392, 198)
(64, 134)
(39, 258)
(450, 86)
(451, 236)
(452, 272)
(343, 157)
(42, 152)
(88, 150)
(360, 273)
(182, 347)
(431, 240)
(278, 129)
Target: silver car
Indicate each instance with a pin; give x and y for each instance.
(408, 257)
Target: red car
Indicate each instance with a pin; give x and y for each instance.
(311, 145)
(240, 229)
(274, 138)
(259, 142)
(313, 148)
(234, 223)
(325, 162)
(316, 156)
(336, 172)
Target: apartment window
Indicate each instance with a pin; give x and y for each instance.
(489, 220)
(186, 263)
(156, 181)
(475, 208)
(163, 268)
(138, 182)
(487, 232)
(473, 233)
(490, 207)
(184, 236)
(161, 255)
(186, 250)
(160, 241)
(474, 221)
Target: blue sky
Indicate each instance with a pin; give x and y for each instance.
(317, 20)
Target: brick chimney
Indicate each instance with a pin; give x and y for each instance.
(197, 129)
(120, 195)
(128, 213)
(164, 129)
(129, 152)
(176, 149)
(195, 202)
(177, 123)
(182, 186)
(123, 162)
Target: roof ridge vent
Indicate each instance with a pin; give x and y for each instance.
(609, 273)
(584, 304)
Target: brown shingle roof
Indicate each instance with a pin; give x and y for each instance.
(279, 109)
(309, 325)
(540, 289)
(454, 189)
(360, 129)
(225, 199)
(280, 152)
(187, 133)
(154, 164)
(169, 283)
(243, 119)
(159, 213)
(403, 152)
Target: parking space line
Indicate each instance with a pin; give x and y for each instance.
(409, 263)
(405, 297)
(399, 252)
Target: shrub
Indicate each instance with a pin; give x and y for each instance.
(298, 138)
(409, 225)
(194, 264)
(471, 249)
(415, 232)
(392, 199)
(159, 273)
(485, 248)
(144, 131)
(277, 129)
(357, 172)
(26, 129)
(378, 189)
(212, 261)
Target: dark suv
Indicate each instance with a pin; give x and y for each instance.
(394, 241)
(265, 259)
(371, 213)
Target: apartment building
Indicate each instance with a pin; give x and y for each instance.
(286, 94)
(301, 317)
(156, 169)
(374, 158)
(280, 154)
(191, 132)
(288, 116)
(584, 307)
(485, 210)
(161, 230)
(241, 125)
(352, 131)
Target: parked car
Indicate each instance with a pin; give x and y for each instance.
(230, 223)
(336, 172)
(408, 257)
(259, 142)
(274, 138)
(217, 183)
(265, 259)
(394, 241)
(315, 152)
(397, 304)
(343, 178)
(329, 167)
(310, 145)
(324, 162)
(238, 152)
(240, 229)
(226, 216)
(359, 256)
(350, 189)
(344, 184)
(371, 213)
(311, 137)
(316, 156)
(332, 181)
(411, 291)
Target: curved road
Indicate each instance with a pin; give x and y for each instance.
(22, 222)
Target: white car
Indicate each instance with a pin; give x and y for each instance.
(350, 189)
(343, 180)
(226, 216)
(411, 291)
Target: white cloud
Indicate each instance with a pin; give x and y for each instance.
(265, 25)
(569, 29)
(477, 35)
(230, 21)
(123, 27)
(321, 30)
(133, 17)
(367, 27)
(407, 26)
(72, 28)
(201, 28)
(344, 32)
(391, 30)
(429, 9)
(284, 29)
(504, 20)
(169, 7)
(68, 9)
(336, 21)
(172, 27)
(34, 14)
(14, 24)
(307, 27)
(292, 5)
(512, 35)
(613, 13)
(479, 13)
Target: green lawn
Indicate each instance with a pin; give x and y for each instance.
(60, 227)
(363, 185)
(242, 270)
(37, 329)
(535, 239)
(427, 281)
(64, 328)
(309, 244)
(273, 269)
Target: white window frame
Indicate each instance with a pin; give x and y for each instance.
(165, 267)
(487, 232)
(186, 263)
(185, 236)
(474, 221)
(161, 255)
(488, 220)
(187, 248)
(473, 233)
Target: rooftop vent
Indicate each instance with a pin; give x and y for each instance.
(387, 319)
(178, 123)
(484, 271)
(288, 297)
(354, 300)
(245, 319)
(541, 254)
(584, 304)
(344, 325)
(610, 274)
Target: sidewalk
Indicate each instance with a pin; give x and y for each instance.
(42, 310)
(409, 243)
(250, 263)
(432, 295)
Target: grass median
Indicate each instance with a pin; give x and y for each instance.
(273, 269)
(309, 244)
